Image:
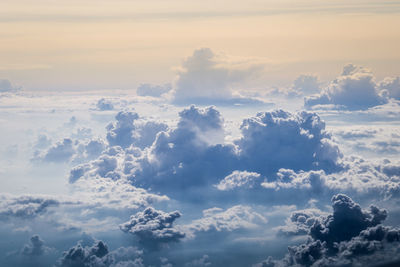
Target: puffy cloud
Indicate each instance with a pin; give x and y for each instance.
(350, 236)
(347, 221)
(35, 247)
(7, 86)
(238, 179)
(98, 255)
(219, 220)
(391, 87)
(104, 104)
(192, 151)
(153, 226)
(146, 89)
(354, 89)
(25, 206)
(128, 131)
(280, 139)
(300, 222)
(209, 78)
(60, 152)
(68, 150)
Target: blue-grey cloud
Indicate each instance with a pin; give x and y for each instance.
(153, 226)
(354, 89)
(104, 104)
(146, 89)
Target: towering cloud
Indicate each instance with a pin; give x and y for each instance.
(209, 78)
(350, 236)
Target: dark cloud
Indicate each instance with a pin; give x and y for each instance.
(98, 255)
(347, 221)
(350, 236)
(153, 226)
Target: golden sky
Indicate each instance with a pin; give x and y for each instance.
(79, 45)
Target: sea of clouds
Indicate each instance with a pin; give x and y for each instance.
(200, 172)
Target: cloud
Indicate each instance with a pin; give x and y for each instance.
(194, 154)
(98, 255)
(391, 86)
(60, 152)
(25, 206)
(146, 89)
(68, 150)
(300, 222)
(238, 179)
(280, 139)
(209, 78)
(153, 227)
(7, 86)
(350, 236)
(104, 104)
(35, 247)
(347, 221)
(303, 85)
(201, 262)
(129, 131)
(354, 89)
(231, 219)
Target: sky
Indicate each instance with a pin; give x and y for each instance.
(199, 133)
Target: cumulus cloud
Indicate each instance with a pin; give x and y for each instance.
(280, 139)
(194, 153)
(153, 226)
(68, 150)
(231, 219)
(350, 236)
(60, 152)
(7, 86)
(354, 89)
(238, 179)
(146, 89)
(104, 104)
(35, 247)
(209, 78)
(391, 87)
(98, 255)
(127, 130)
